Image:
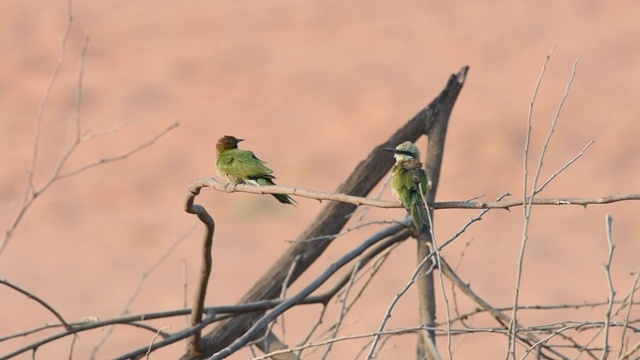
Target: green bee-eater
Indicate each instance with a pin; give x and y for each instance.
(407, 179)
(243, 167)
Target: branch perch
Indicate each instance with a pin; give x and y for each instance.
(358, 200)
(328, 223)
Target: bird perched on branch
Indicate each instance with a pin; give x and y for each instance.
(243, 167)
(409, 182)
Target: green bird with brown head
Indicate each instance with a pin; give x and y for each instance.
(409, 182)
(240, 166)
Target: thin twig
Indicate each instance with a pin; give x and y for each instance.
(342, 261)
(170, 340)
(138, 289)
(580, 154)
(511, 347)
(502, 318)
(348, 230)
(85, 326)
(417, 272)
(629, 307)
(122, 156)
(283, 295)
(343, 308)
(28, 194)
(409, 330)
(154, 340)
(89, 135)
(72, 346)
(453, 287)
(631, 351)
(386, 246)
(612, 292)
(384, 186)
(47, 94)
(268, 338)
(414, 277)
(78, 102)
(438, 261)
(38, 300)
(185, 286)
(528, 208)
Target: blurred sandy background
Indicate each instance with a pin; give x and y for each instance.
(312, 86)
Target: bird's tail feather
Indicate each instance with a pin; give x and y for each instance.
(283, 198)
(420, 216)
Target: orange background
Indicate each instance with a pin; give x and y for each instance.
(312, 86)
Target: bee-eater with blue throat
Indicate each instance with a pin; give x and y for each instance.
(409, 182)
(243, 167)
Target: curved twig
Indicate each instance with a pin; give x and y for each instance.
(38, 300)
(205, 270)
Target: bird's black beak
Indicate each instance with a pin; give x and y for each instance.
(390, 150)
(239, 140)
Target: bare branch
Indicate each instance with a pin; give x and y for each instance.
(122, 156)
(343, 308)
(580, 154)
(529, 122)
(311, 194)
(507, 204)
(413, 279)
(631, 351)
(170, 340)
(629, 307)
(612, 293)
(265, 320)
(154, 340)
(330, 221)
(272, 343)
(38, 300)
(47, 94)
(511, 348)
(138, 289)
(387, 204)
(436, 134)
(30, 193)
(386, 245)
(89, 135)
(442, 287)
(503, 319)
(205, 270)
(344, 338)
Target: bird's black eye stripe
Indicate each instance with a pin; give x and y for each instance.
(408, 153)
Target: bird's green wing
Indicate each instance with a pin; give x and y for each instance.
(419, 209)
(243, 164)
(405, 186)
(407, 183)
